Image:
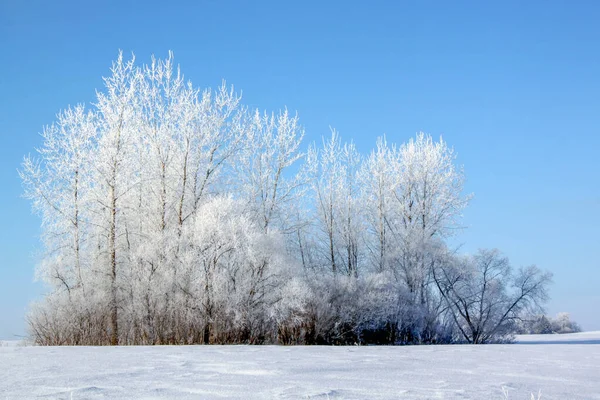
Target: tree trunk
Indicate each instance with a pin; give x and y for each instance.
(114, 317)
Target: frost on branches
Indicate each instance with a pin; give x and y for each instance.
(172, 215)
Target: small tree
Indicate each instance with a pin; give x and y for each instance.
(563, 324)
(541, 325)
(485, 297)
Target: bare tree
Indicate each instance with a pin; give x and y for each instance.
(485, 297)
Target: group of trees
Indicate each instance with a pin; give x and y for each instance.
(542, 324)
(173, 215)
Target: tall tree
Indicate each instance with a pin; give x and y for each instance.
(271, 148)
(58, 185)
(117, 113)
(338, 203)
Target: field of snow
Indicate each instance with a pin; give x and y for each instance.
(561, 367)
(573, 338)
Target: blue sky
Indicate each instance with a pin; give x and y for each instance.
(513, 86)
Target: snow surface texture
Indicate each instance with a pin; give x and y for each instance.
(573, 338)
(570, 370)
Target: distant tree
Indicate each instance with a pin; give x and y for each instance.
(541, 325)
(562, 324)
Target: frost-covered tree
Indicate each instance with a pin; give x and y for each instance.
(234, 268)
(562, 323)
(541, 325)
(271, 147)
(57, 183)
(415, 200)
(113, 178)
(426, 202)
(338, 204)
(376, 180)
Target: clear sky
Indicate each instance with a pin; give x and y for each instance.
(514, 86)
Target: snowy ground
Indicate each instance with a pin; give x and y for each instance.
(574, 338)
(567, 370)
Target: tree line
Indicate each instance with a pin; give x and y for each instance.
(544, 325)
(172, 215)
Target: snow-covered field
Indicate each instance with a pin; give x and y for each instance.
(574, 338)
(567, 370)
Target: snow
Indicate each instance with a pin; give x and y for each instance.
(12, 343)
(567, 370)
(570, 338)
